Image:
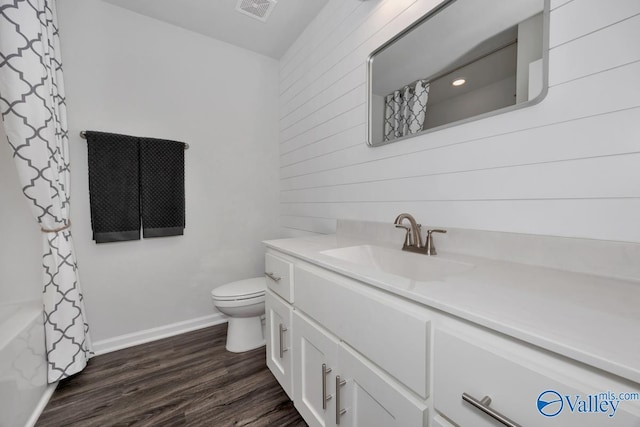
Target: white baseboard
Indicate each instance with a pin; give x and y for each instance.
(48, 392)
(148, 335)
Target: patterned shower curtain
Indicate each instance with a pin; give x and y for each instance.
(32, 105)
(405, 111)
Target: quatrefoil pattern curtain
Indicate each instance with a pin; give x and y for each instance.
(405, 110)
(32, 105)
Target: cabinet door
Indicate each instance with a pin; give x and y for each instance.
(370, 398)
(314, 367)
(438, 421)
(279, 351)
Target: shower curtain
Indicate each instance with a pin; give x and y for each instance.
(405, 110)
(32, 105)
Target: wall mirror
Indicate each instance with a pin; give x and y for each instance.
(465, 60)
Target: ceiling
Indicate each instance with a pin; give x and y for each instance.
(219, 19)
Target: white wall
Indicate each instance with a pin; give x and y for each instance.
(130, 74)
(567, 166)
(21, 242)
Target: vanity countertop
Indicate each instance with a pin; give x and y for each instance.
(592, 319)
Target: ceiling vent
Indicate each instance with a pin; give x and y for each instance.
(258, 9)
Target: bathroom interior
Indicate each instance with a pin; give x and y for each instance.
(381, 236)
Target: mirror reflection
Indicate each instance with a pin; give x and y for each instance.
(466, 60)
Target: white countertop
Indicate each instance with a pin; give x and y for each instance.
(592, 319)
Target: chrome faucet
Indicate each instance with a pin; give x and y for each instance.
(413, 239)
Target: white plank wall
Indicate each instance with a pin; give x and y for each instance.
(569, 166)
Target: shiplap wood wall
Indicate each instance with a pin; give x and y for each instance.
(569, 166)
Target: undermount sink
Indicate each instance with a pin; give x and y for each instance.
(394, 261)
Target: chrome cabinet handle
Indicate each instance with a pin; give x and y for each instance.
(282, 348)
(272, 277)
(483, 405)
(339, 412)
(325, 398)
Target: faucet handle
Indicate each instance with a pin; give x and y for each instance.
(431, 248)
(436, 231)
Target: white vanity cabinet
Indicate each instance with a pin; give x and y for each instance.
(356, 355)
(338, 350)
(334, 385)
(279, 348)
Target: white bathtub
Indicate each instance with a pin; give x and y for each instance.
(23, 377)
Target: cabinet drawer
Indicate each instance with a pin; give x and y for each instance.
(518, 380)
(279, 273)
(392, 333)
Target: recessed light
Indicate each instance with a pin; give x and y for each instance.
(458, 82)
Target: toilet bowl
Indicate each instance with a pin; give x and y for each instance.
(243, 303)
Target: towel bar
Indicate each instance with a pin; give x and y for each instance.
(83, 135)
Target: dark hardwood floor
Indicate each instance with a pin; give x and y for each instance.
(187, 380)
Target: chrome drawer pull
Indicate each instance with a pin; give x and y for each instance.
(483, 405)
(282, 348)
(339, 412)
(273, 277)
(325, 398)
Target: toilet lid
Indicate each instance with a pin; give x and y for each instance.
(242, 289)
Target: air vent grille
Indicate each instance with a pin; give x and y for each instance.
(258, 9)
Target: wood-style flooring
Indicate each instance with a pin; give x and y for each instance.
(186, 380)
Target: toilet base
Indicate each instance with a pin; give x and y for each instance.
(244, 334)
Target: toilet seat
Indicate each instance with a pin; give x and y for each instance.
(239, 302)
(242, 290)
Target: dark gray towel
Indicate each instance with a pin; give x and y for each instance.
(114, 186)
(162, 187)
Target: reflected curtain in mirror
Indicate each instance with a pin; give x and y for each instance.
(405, 110)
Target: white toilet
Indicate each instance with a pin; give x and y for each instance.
(243, 302)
